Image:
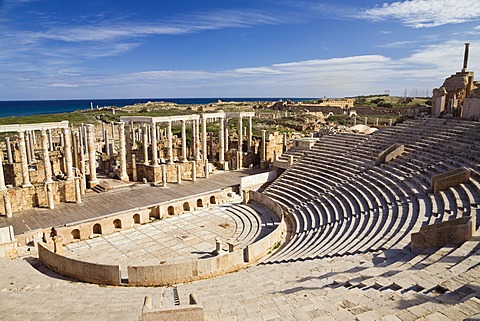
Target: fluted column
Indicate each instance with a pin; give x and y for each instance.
(170, 143)
(145, 144)
(221, 142)
(153, 134)
(184, 141)
(27, 147)
(122, 152)
(92, 155)
(250, 134)
(23, 159)
(68, 153)
(204, 138)
(128, 142)
(47, 166)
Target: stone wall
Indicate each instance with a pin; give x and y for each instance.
(260, 248)
(450, 232)
(79, 270)
(390, 153)
(449, 178)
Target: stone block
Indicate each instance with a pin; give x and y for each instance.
(440, 234)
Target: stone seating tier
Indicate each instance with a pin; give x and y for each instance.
(392, 198)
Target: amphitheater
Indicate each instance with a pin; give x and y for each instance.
(346, 254)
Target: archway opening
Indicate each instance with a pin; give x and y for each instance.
(97, 229)
(76, 234)
(117, 224)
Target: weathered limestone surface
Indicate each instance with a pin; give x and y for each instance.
(450, 232)
(449, 179)
(79, 270)
(390, 153)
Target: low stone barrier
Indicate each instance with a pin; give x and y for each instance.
(79, 270)
(181, 272)
(449, 179)
(8, 243)
(191, 312)
(390, 153)
(260, 248)
(450, 232)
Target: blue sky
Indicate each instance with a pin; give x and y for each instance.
(59, 49)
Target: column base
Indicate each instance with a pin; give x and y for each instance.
(124, 178)
(27, 185)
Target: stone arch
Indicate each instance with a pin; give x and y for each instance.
(186, 206)
(212, 200)
(199, 202)
(76, 234)
(136, 219)
(97, 229)
(171, 210)
(117, 224)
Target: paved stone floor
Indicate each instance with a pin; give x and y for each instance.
(292, 291)
(190, 235)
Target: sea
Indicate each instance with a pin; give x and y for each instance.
(38, 107)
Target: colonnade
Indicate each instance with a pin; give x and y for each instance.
(137, 127)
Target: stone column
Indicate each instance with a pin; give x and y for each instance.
(92, 155)
(194, 139)
(284, 146)
(365, 121)
(134, 168)
(122, 152)
(32, 146)
(7, 203)
(46, 159)
(390, 122)
(164, 175)
(50, 198)
(78, 191)
(221, 142)
(83, 172)
(106, 143)
(9, 150)
(354, 120)
(23, 159)
(27, 147)
(75, 148)
(194, 171)
(226, 134)
(184, 141)
(145, 144)
(68, 153)
(240, 134)
(465, 57)
(250, 134)
(204, 138)
(128, 142)
(263, 154)
(153, 134)
(197, 130)
(179, 174)
(170, 143)
(2, 177)
(206, 168)
(50, 140)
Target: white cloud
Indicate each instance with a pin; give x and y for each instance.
(426, 13)
(60, 85)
